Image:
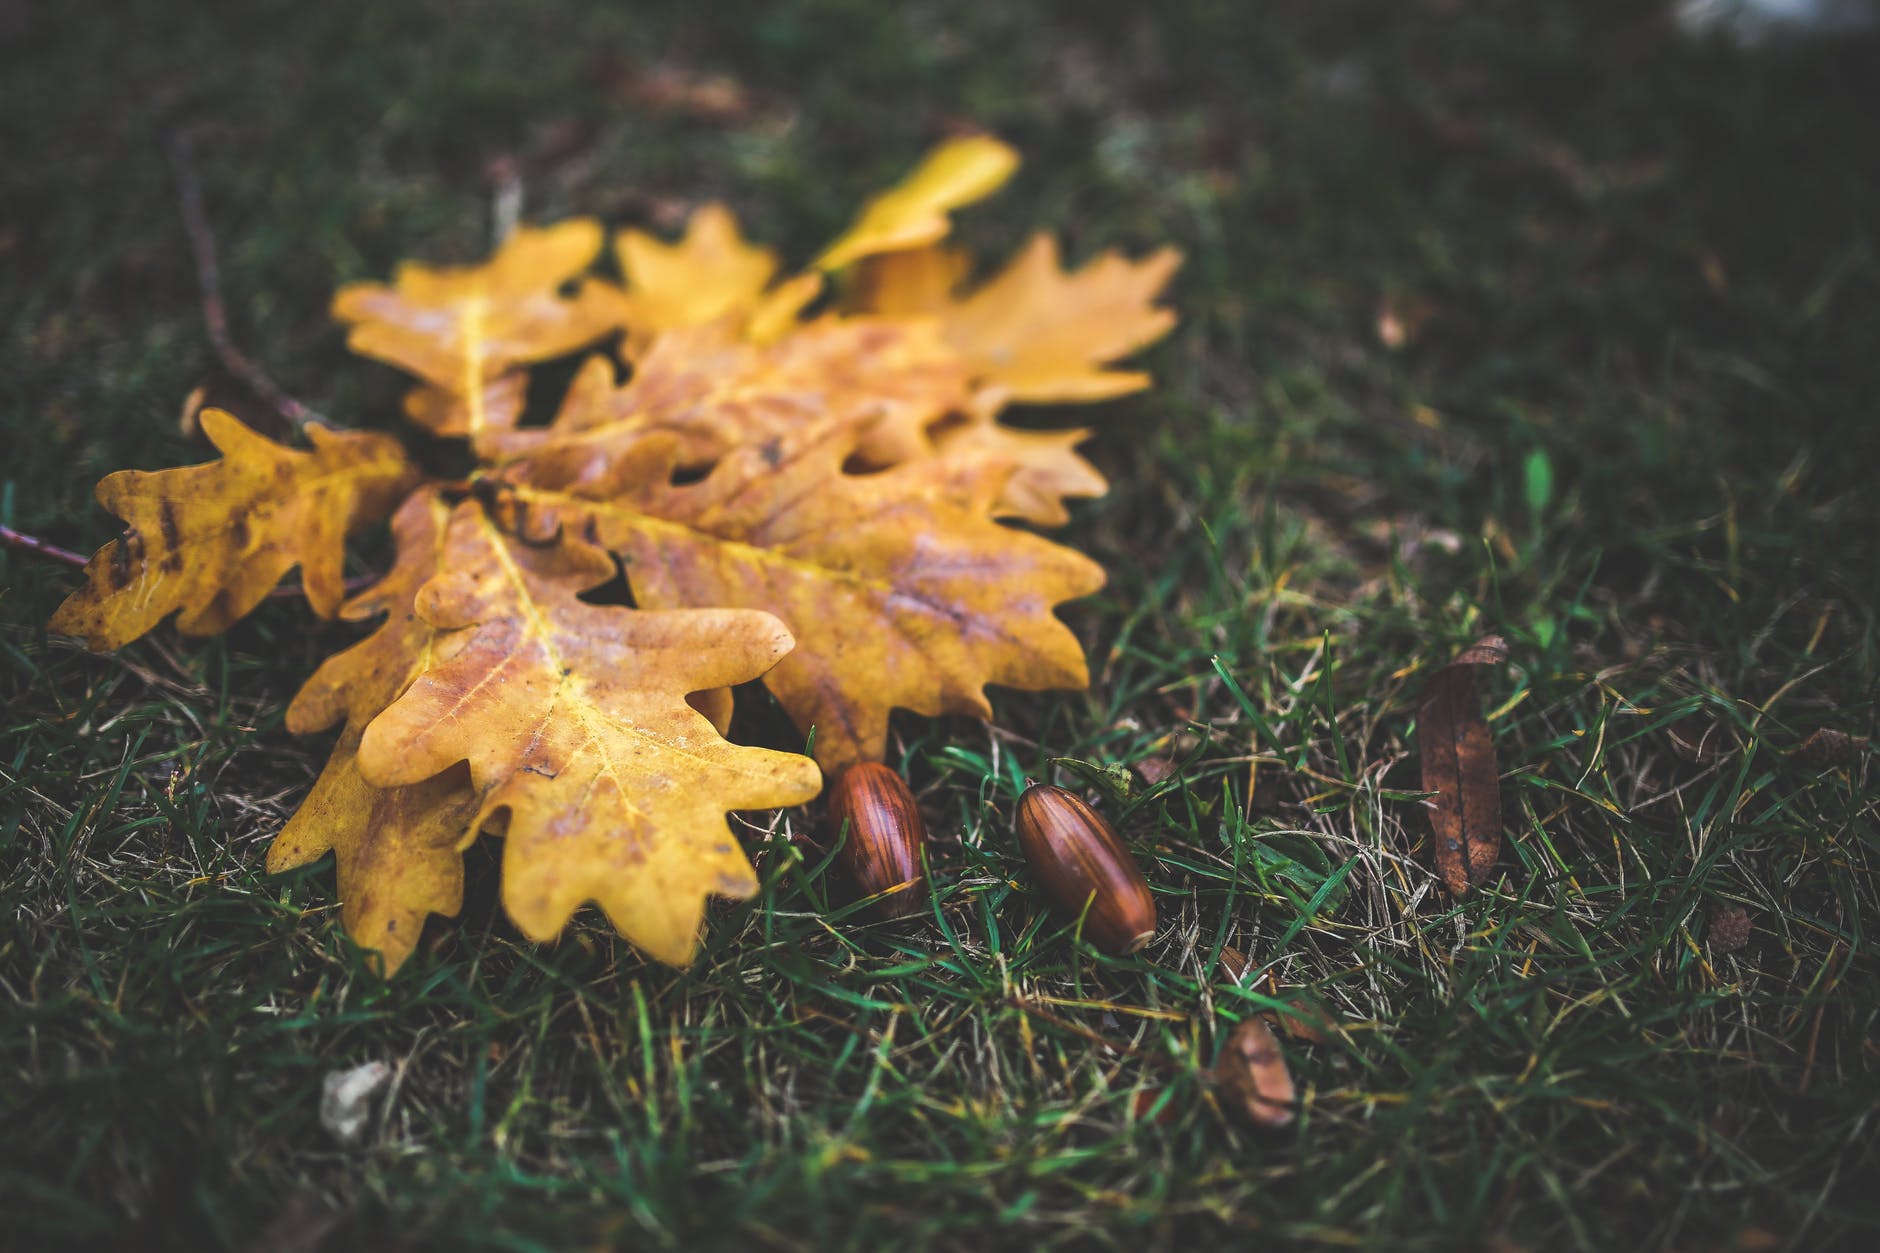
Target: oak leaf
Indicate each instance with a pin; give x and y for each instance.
(715, 390)
(1045, 467)
(913, 213)
(1033, 333)
(900, 588)
(1036, 331)
(574, 721)
(211, 540)
(708, 274)
(462, 327)
(765, 478)
(398, 849)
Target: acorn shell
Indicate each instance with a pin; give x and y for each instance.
(885, 836)
(1077, 859)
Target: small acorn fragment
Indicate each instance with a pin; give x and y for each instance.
(885, 837)
(1251, 1075)
(1079, 861)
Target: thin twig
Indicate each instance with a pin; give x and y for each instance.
(33, 546)
(209, 280)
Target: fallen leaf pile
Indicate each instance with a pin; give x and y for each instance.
(804, 480)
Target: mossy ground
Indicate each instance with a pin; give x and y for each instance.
(1630, 427)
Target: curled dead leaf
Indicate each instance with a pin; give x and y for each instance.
(1302, 1019)
(1459, 767)
(573, 718)
(1828, 749)
(1729, 929)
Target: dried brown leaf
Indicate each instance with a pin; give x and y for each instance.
(1729, 929)
(1459, 767)
(1035, 331)
(1828, 749)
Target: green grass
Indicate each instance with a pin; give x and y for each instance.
(1633, 433)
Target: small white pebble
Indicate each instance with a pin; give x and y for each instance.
(346, 1100)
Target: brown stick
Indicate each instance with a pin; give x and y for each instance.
(33, 546)
(209, 280)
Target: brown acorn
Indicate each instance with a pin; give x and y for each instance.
(1079, 861)
(885, 837)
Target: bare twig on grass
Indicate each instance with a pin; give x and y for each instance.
(209, 281)
(32, 545)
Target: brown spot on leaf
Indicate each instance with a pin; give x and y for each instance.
(126, 557)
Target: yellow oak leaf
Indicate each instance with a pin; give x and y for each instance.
(397, 850)
(445, 412)
(715, 390)
(1045, 467)
(911, 283)
(1035, 331)
(768, 476)
(913, 213)
(459, 327)
(212, 539)
(900, 590)
(709, 273)
(778, 313)
(575, 724)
